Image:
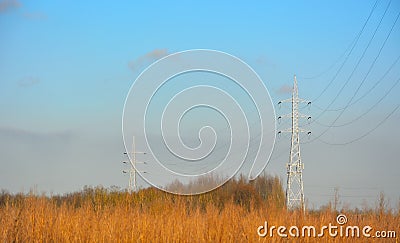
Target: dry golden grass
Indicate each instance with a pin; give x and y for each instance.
(99, 215)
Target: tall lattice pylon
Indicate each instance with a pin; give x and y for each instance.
(295, 166)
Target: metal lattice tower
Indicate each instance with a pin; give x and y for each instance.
(295, 166)
(132, 185)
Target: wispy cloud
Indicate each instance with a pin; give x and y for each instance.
(28, 81)
(263, 60)
(155, 54)
(32, 136)
(285, 89)
(8, 5)
(34, 15)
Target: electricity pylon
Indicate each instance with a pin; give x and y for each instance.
(132, 170)
(295, 166)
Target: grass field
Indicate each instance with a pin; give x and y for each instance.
(231, 213)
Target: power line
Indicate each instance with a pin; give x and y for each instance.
(344, 196)
(345, 187)
(367, 92)
(341, 113)
(367, 133)
(333, 64)
(351, 50)
(357, 64)
(370, 67)
(368, 110)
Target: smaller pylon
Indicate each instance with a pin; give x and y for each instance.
(132, 185)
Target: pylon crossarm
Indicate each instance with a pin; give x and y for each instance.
(290, 130)
(285, 130)
(290, 115)
(300, 100)
(285, 116)
(304, 116)
(285, 101)
(304, 131)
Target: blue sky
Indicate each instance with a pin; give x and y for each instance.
(66, 68)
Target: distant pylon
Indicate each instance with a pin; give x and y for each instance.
(295, 166)
(132, 185)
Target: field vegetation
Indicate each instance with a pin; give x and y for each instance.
(231, 213)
